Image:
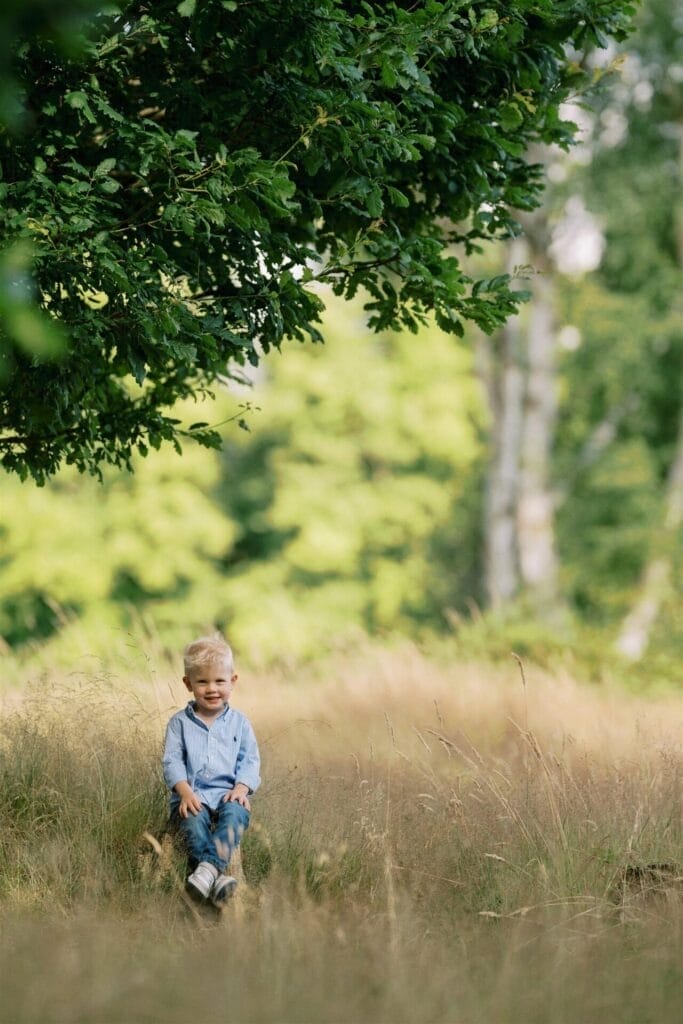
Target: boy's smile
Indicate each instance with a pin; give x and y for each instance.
(211, 686)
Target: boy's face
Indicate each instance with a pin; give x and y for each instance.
(211, 686)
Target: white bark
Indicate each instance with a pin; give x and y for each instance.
(536, 500)
(520, 502)
(538, 561)
(504, 379)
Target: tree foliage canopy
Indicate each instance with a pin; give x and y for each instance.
(175, 186)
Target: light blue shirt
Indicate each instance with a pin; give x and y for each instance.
(212, 758)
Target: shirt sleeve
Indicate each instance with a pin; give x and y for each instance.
(248, 760)
(175, 769)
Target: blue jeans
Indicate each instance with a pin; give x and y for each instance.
(212, 835)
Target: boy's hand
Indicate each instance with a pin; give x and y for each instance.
(189, 801)
(240, 795)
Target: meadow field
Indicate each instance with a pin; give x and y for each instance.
(433, 841)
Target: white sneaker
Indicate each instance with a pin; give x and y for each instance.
(200, 883)
(223, 888)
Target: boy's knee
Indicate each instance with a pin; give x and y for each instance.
(234, 821)
(192, 823)
(234, 812)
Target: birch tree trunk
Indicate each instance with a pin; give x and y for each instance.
(503, 376)
(519, 373)
(535, 499)
(637, 626)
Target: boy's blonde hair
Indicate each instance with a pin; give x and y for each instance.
(206, 650)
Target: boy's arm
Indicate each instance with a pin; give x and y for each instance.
(247, 768)
(248, 762)
(175, 770)
(189, 801)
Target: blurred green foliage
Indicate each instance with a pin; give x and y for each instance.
(353, 502)
(362, 487)
(352, 505)
(616, 439)
(622, 399)
(60, 23)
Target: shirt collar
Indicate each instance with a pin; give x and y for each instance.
(190, 712)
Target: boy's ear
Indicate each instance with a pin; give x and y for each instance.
(233, 678)
(188, 684)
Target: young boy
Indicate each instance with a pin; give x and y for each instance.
(211, 765)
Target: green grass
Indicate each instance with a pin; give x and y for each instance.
(428, 845)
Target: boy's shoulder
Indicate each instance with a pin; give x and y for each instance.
(240, 715)
(181, 713)
(177, 716)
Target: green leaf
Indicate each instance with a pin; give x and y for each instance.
(388, 74)
(186, 136)
(510, 147)
(80, 223)
(427, 142)
(79, 101)
(397, 197)
(373, 202)
(488, 19)
(105, 166)
(186, 8)
(410, 67)
(511, 117)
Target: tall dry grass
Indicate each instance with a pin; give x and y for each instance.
(431, 843)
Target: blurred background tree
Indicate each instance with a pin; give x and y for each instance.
(603, 487)
(622, 415)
